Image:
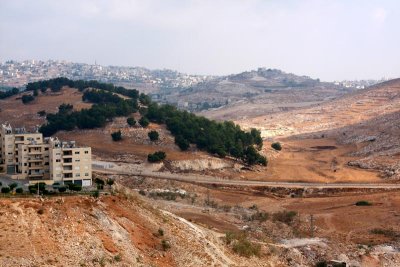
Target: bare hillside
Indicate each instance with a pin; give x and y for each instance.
(109, 231)
(367, 119)
(16, 113)
(253, 93)
(348, 110)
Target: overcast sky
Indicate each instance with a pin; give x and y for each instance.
(331, 40)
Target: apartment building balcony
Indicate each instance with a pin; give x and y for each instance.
(35, 174)
(67, 168)
(67, 153)
(34, 152)
(36, 167)
(35, 159)
(68, 175)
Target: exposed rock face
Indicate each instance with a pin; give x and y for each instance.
(203, 164)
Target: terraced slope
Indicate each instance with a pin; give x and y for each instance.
(367, 120)
(351, 109)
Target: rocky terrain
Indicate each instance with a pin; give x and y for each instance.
(120, 230)
(367, 119)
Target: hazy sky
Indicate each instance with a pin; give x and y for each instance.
(331, 40)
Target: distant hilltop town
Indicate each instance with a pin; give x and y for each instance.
(18, 73)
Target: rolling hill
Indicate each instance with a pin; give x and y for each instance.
(253, 93)
(367, 120)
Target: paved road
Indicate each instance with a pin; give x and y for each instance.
(202, 179)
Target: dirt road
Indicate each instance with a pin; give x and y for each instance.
(108, 167)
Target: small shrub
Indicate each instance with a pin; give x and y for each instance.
(1, 183)
(99, 181)
(75, 187)
(12, 186)
(96, 194)
(142, 192)
(19, 190)
(160, 232)
(116, 136)
(32, 190)
(153, 135)
(259, 216)
(42, 113)
(211, 203)
(277, 146)
(40, 211)
(131, 121)
(62, 189)
(117, 258)
(165, 245)
(110, 182)
(5, 190)
(284, 216)
(27, 98)
(144, 122)
(34, 187)
(156, 156)
(226, 208)
(321, 264)
(363, 203)
(253, 207)
(245, 248)
(241, 245)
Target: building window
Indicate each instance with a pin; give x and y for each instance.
(86, 174)
(77, 160)
(58, 160)
(86, 152)
(76, 152)
(46, 148)
(78, 175)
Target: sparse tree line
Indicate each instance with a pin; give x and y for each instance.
(218, 138)
(107, 106)
(222, 139)
(8, 93)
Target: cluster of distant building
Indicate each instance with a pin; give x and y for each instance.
(28, 156)
(360, 84)
(18, 73)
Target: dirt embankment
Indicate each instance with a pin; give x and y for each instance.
(120, 230)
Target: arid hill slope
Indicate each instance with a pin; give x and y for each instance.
(254, 93)
(366, 120)
(348, 110)
(119, 230)
(16, 113)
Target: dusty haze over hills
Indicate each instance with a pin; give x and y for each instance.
(330, 40)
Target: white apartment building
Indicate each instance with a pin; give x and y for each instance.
(31, 157)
